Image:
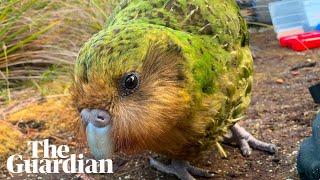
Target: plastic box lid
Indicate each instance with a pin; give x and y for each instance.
(287, 14)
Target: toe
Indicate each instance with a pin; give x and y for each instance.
(246, 152)
(199, 172)
(245, 148)
(161, 167)
(178, 168)
(184, 175)
(260, 145)
(273, 149)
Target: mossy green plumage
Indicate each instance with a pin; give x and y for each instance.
(213, 40)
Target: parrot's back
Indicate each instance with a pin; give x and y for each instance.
(217, 18)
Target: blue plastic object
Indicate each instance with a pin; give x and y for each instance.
(287, 15)
(308, 162)
(318, 27)
(290, 17)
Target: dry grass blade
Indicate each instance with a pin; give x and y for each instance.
(38, 34)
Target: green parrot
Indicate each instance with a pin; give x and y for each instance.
(169, 76)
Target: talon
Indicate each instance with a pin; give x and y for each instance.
(246, 141)
(181, 169)
(199, 172)
(244, 147)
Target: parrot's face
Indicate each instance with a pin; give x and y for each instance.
(129, 104)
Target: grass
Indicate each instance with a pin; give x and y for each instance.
(10, 140)
(8, 93)
(41, 36)
(39, 42)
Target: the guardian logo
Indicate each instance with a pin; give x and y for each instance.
(56, 160)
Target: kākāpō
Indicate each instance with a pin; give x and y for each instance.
(170, 76)
(308, 163)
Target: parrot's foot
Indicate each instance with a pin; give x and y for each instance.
(245, 141)
(182, 169)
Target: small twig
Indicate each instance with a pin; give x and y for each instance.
(57, 96)
(190, 15)
(21, 105)
(4, 47)
(3, 165)
(10, 174)
(301, 66)
(260, 24)
(62, 141)
(18, 106)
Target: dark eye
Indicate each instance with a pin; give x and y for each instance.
(130, 82)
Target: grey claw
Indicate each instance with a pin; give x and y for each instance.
(199, 172)
(273, 149)
(245, 147)
(181, 169)
(256, 144)
(246, 141)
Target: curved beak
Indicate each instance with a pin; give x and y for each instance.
(97, 117)
(97, 124)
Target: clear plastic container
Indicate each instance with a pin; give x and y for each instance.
(292, 16)
(287, 15)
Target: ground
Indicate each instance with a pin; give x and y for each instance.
(281, 112)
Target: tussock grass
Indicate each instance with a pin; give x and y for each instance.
(36, 34)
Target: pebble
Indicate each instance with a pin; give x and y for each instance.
(280, 81)
(295, 73)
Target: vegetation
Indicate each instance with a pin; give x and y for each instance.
(40, 39)
(39, 42)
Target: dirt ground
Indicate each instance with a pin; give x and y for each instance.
(282, 111)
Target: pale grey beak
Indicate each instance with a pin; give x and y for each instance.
(97, 117)
(98, 130)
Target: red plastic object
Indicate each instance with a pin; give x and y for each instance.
(301, 42)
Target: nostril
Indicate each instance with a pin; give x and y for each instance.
(99, 118)
(102, 117)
